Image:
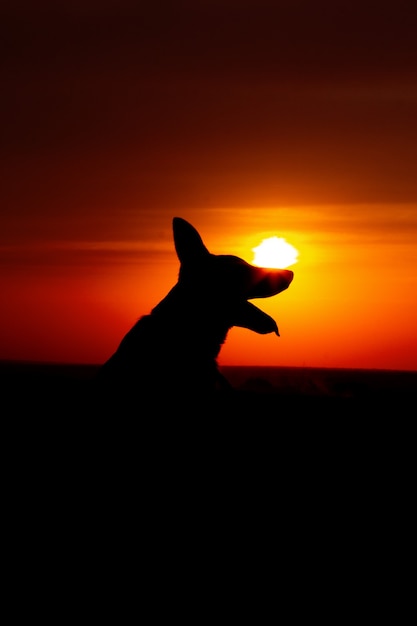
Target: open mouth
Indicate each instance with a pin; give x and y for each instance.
(247, 315)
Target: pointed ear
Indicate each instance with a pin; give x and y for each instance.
(188, 243)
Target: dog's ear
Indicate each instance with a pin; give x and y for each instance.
(188, 243)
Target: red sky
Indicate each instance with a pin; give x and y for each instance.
(249, 119)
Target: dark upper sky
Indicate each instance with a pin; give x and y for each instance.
(119, 104)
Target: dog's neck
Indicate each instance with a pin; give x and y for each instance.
(191, 319)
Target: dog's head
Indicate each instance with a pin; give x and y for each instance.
(227, 279)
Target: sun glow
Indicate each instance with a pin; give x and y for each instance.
(275, 252)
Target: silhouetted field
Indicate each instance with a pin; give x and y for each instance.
(302, 418)
(325, 457)
(60, 388)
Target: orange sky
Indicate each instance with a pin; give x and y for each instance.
(245, 121)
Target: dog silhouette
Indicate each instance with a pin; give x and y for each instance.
(174, 349)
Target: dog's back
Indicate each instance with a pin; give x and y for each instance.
(174, 349)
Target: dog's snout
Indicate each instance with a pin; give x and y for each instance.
(269, 282)
(280, 280)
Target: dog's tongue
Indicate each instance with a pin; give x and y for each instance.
(249, 316)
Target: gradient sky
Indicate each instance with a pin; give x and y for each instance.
(249, 119)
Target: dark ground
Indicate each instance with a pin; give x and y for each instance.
(305, 478)
(59, 389)
(272, 414)
(305, 413)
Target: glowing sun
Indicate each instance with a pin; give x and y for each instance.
(274, 252)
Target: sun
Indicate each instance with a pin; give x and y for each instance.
(275, 252)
